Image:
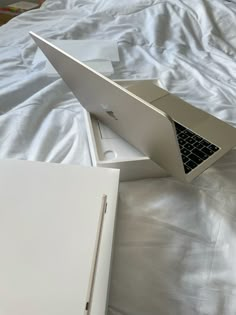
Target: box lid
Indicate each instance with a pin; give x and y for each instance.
(49, 233)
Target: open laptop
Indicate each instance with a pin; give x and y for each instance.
(182, 139)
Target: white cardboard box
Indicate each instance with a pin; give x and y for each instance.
(107, 149)
(56, 236)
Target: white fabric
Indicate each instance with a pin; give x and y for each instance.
(175, 243)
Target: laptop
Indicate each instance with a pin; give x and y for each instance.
(182, 139)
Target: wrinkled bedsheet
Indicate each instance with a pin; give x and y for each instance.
(175, 244)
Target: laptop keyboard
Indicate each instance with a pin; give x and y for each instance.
(194, 149)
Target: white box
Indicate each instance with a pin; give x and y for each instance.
(56, 235)
(107, 149)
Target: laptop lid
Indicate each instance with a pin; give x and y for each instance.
(143, 125)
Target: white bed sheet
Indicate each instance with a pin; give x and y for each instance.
(175, 246)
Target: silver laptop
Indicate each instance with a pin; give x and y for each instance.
(182, 139)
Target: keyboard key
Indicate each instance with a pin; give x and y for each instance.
(178, 131)
(207, 151)
(201, 154)
(191, 164)
(197, 138)
(181, 141)
(205, 143)
(189, 146)
(199, 146)
(191, 140)
(185, 152)
(179, 127)
(183, 136)
(188, 132)
(213, 147)
(195, 158)
(187, 169)
(185, 158)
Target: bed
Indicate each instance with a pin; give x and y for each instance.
(175, 243)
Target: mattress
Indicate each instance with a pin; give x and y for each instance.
(175, 244)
